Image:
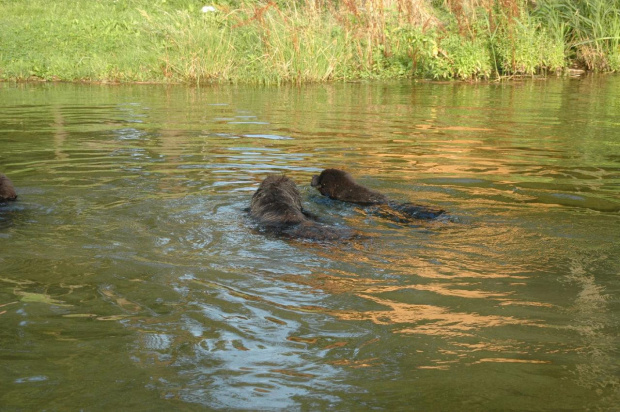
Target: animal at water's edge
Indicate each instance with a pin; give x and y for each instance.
(339, 185)
(7, 191)
(276, 206)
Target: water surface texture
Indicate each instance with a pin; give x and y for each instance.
(132, 279)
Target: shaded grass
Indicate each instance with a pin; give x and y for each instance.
(302, 41)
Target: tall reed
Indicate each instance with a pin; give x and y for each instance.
(589, 28)
(293, 42)
(515, 43)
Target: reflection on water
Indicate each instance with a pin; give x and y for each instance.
(131, 278)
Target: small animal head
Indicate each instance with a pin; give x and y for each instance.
(339, 185)
(330, 182)
(7, 191)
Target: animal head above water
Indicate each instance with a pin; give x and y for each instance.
(338, 184)
(7, 191)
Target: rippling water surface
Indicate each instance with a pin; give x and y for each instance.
(131, 278)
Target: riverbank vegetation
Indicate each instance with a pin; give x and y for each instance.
(261, 41)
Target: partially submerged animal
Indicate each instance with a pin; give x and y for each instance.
(276, 205)
(7, 191)
(339, 185)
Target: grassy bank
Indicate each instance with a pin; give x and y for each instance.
(304, 40)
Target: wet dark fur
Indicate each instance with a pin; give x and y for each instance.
(339, 185)
(276, 205)
(7, 191)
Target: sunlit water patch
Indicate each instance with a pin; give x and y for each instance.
(132, 278)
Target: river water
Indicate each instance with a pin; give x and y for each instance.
(131, 277)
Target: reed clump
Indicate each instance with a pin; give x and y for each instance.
(590, 30)
(269, 42)
(263, 41)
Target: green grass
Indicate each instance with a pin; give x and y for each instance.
(73, 40)
(590, 29)
(300, 41)
(525, 47)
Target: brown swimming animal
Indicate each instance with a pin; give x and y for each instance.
(276, 205)
(339, 185)
(7, 191)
